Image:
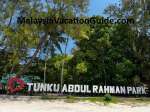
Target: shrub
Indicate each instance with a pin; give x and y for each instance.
(107, 97)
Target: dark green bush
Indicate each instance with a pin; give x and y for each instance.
(107, 97)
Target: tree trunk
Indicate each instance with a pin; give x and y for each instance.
(63, 63)
(42, 41)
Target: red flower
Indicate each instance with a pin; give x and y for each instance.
(11, 85)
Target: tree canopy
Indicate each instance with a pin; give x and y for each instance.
(113, 54)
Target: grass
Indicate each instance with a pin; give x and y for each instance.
(99, 100)
(115, 99)
(51, 97)
(71, 99)
(137, 100)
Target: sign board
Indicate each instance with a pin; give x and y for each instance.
(91, 89)
(16, 85)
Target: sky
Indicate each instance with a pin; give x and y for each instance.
(96, 7)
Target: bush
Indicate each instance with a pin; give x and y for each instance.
(107, 97)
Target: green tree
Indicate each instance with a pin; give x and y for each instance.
(140, 44)
(107, 54)
(20, 38)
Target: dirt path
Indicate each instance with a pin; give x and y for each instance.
(8, 105)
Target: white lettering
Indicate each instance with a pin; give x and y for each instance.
(36, 87)
(64, 88)
(129, 89)
(77, 88)
(95, 89)
(29, 86)
(112, 89)
(70, 88)
(106, 89)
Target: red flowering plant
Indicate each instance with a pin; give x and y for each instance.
(15, 84)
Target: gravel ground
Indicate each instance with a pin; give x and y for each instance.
(36, 105)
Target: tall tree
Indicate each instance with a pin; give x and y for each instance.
(140, 41)
(23, 37)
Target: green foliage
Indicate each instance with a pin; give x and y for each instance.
(103, 58)
(107, 97)
(20, 38)
(81, 67)
(104, 53)
(137, 35)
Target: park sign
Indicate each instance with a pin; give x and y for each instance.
(89, 89)
(15, 85)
